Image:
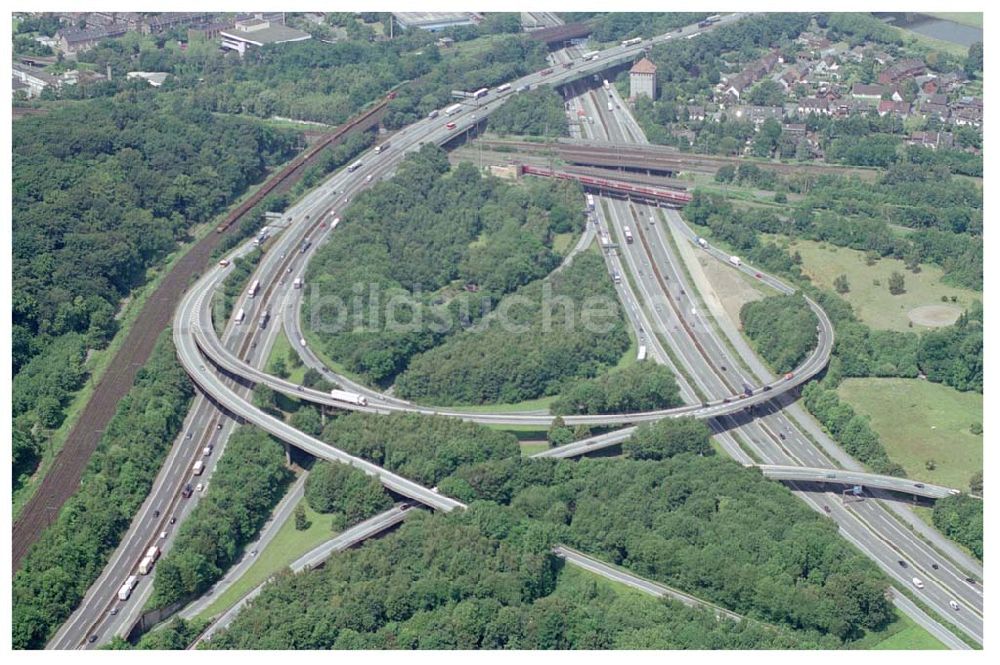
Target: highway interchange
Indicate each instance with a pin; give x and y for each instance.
(657, 296)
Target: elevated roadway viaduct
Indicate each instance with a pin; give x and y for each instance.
(463, 119)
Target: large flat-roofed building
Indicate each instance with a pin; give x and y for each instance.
(34, 79)
(258, 32)
(433, 21)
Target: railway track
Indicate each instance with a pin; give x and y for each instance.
(63, 479)
(662, 158)
(301, 162)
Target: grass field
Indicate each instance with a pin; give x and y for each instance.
(930, 43)
(901, 634)
(972, 19)
(919, 421)
(562, 243)
(572, 583)
(872, 304)
(529, 448)
(287, 546)
(282, 349)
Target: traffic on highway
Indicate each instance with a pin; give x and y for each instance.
(751, 412)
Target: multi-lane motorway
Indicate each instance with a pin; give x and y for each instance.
(773, 437)
(721, 387)
(651, 264)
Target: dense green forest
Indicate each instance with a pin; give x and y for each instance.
(537, 340)
(536, 113)
(247, 483)
(424, 449)
(668, 437)
(961, 519)
(704, 525)
(644, 386)
(102, 191)
(424, 255)
(348, 493)
(71, 553)
(782, 330)
(318, 80)
(615, 26)
(483, 578)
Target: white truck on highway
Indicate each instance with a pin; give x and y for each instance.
(126, 589)
(735, 260)
(452, 110)
(146, 565)
(349, 397)
(628, 235)
(198, 468)
(702, 243)
(297, 284)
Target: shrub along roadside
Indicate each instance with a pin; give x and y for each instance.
(961, 519)
(72, 552)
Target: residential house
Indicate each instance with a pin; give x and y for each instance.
(789, 78)
(757, 114)
(901, 70)
(928, 83)
(951, 81)
(76, 41)
(828, 67)
(796, 130)
(809, 105)
(868, 91)
(930, 109)
(696, 113)
(168, 20)
(899, 109)
(208, 31)
(932, 140)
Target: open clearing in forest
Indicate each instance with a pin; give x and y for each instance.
(872, 303)
(919, 421)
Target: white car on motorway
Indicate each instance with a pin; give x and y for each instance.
(917, 582)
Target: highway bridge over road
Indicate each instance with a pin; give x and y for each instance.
(195, 335)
